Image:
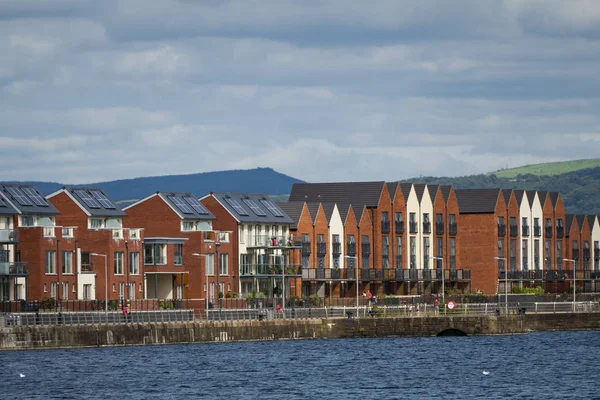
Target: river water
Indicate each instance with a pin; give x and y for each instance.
(533, 366)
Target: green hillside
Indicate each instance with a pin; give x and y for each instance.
(554, 168)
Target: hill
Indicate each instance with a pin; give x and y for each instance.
(554, 168)
(257, 180)
(580, 189)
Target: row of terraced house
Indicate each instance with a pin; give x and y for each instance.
(330, 239)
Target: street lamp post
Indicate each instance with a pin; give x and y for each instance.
(574, 268)
(105, 283)
(205, 277)
(443, 278)
(356, 271)
(505, 283)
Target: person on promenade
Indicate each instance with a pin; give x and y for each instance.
(436, 306)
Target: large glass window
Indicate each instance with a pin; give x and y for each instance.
(67, 259)
(118, 261)
(178, 254)
(51, 262)
(134, 263)
(224, 264)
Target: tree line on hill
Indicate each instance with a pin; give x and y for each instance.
(580, 190)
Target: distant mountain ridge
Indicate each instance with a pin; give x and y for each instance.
(256, 180)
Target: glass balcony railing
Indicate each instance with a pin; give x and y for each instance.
(14, 268)
(155, 260)
(9, 235)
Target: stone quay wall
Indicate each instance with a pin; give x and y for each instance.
(71, 336)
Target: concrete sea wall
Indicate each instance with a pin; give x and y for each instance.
(61, 336)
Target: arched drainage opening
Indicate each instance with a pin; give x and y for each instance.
(451, 332)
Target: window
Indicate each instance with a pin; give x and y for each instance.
(134, 263)
(67, 232)
(221, 288)
(209, 262)
(399, 220)
(53, 290)
(452, 253)
(513, 254)
(242, 234)
(524, 253)
(45, 288)
(501, 253)
(223, 264)
(413, 252)
(121, 290)
(65, 291)
(536, 253)
(27, 220)
(500, 220)
(118, 261)
(48, 231)
(426, 223)
(224, 236)
(547, 255)
(188, 226)
(412, 222)
(398, 252)
(131, 291)
(439, 249)
(67, 261)
(385, 251)
(114, 288)
(134, 234)
(439, 218)
(154, 254)
(385, 222)
(96, 223)
(87, 291)
(50, 262)
(180, 291)
(559, 254)
(426, 252)
(74, 288)
(178, 254)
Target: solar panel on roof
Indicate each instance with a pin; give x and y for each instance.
(196, 205)
(102, 199)
(272, 208)
(87, 199)
(35, 196)
(184, 208)
(19, 196)
(236, 206)
(254, 207)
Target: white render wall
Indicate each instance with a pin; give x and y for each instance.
(336, 227)
(413, 206)
(595, 229)
(537, 212)
(426, 207)
(525, 212)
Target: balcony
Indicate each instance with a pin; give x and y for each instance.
(575, 254)
(525, 230)
(321, 249)
(9, 236)
(413, 262)
(385, 226)
(351, 249)
(537, 231)
(263, 241)
(337, 249)
(514, 230)
(365, 249)
(439, 228)
(412, 226)
(399, 227)
(548, 231)
(452, 229)
(501, 229)
(265, 270)
(14, 268)
(560, 232)
(305, 248)
(86, 267)
(426, 227)
(155, 260)
(460, 275)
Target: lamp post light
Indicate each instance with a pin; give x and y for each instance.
(105, 283)
(205, 277)
(574, 268)
(282, 278)
(443, 278)
(505, 283)
(356, 271)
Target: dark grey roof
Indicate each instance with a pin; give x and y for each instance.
(591, 220)
(28, 204)
(542, 196)
(406, 187)
(569, 218)
(313, 209)
(294, 210)
(328, 210)
(506, 193)
(446, 189)
(580, 220)
(554, 198)
(531, 197)
(359, 211)
(432, 191)
(190, 214)
(519, 196)
(101, 210)
(391, 187)
(243, 201)
(343, 208)
(367, 193)
(420, 189)
(477, 201)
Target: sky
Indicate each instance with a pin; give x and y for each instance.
(322, 91)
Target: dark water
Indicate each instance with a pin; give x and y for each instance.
(535, 366)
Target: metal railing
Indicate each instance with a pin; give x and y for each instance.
(14, 268)
(270, 269)
(273, 241)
